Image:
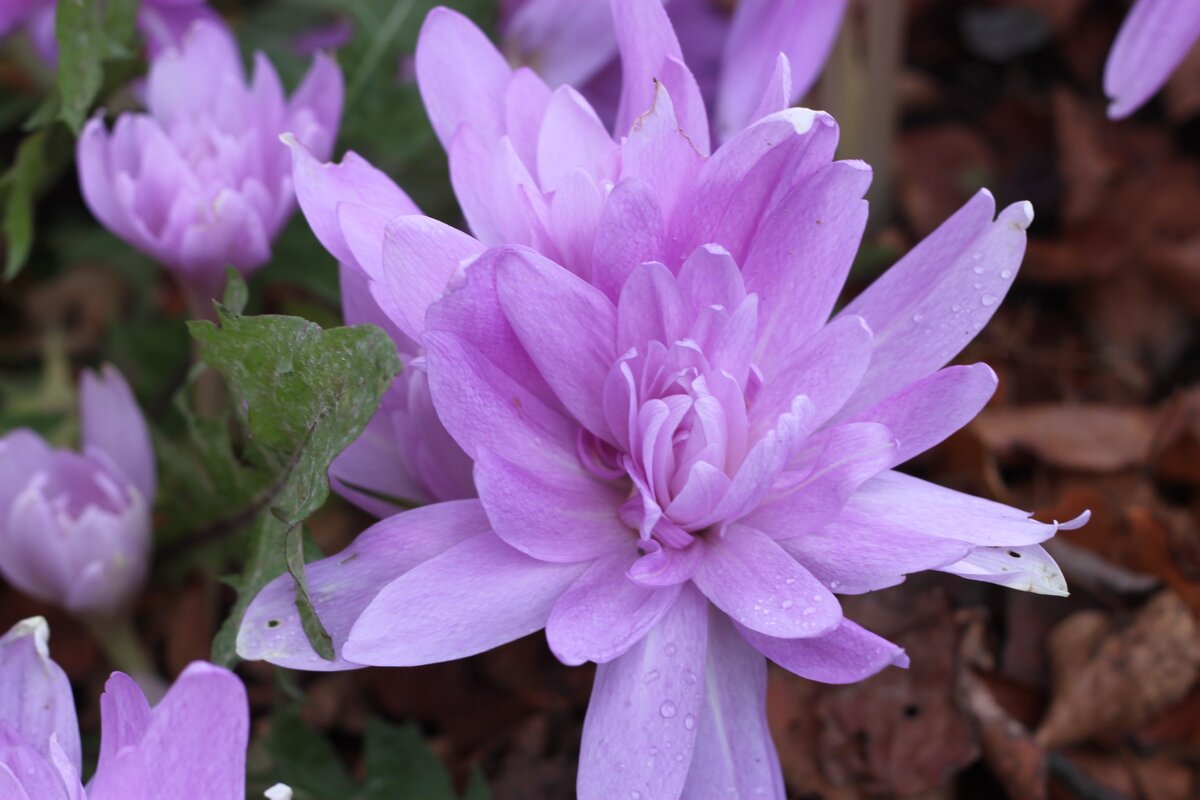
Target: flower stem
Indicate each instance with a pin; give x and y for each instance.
(126, 653)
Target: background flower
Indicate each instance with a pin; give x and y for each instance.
(200, 181)
(195, 737)
(75, 527)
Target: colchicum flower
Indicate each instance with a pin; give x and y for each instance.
(681, 457)
(732, 56)
(1154, 38)
(192, 744)
(162, 22)
(201, 182)
(75, 527)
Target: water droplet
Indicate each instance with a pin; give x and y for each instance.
(816, 598)
(667, 709)
(670, 649)
(834, 584)
(635, 794)
(978, 285)
(679, 757)
(788, 604)
(651, 676)
(955, 308)
(809, 610)
(1006, 273)
(977, 256)
(790, 581)
(689, 677)
(917, 317)
(979, 270)
(689, 722)
(988, 300)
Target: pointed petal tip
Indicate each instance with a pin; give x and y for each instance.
(38, 628)
(1074, 524)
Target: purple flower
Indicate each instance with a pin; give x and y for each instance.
(161, 22)
(682, 456)
(573, 42)
(405, 453)
(201, 182)
(1155, 37)
(195, 737)
(75, 527)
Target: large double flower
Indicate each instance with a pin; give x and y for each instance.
(681, 457)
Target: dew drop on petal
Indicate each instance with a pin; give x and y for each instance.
(1006, 273)
(977, 256)
(651, 676)
(689, 677)
(809, 610)
(979, 270)
(679, 757)
(988, 300)
(790, 581)
(667, 709)
(788, 604)
(670, 649)
(635, 794)
(689, 722)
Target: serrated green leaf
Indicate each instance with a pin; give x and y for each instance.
(308, 394)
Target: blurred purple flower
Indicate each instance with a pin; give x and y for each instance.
(195, 737)
(75, 527)
(1153, 40)
(405, 453)
(681, 457)
(161, 22)
(732, 56)
(201, 181)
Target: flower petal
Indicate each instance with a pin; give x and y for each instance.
(112, 423)
(461, 76)
(197, 736)
(477, 595)
(1154, 38)
(748, 576)
(343, 585)
(641, 722)
(922, 506)
(928, 306)
(847, 654)
(35, 695)
(567, 327)
(604, 613)
(857, 553)
(1026, 569)
(419, 257)
(561, 515)
(734, 755)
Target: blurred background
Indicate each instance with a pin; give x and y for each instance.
(1093, 697)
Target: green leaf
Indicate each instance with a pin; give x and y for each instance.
(79, 31)
(305, 760)
(18, 209)
(236, 293)
(320, 639)
(308, 394)
(400, 766)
